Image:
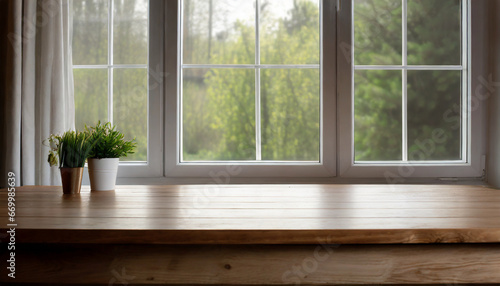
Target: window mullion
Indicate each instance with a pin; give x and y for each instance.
(258, 132)
(405, 82)
(466, 81)
(409, 67)
(179, 128)
(110, 61)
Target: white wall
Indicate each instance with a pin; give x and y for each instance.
(494, 100)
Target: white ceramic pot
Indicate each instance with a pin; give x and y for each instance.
(102, 173)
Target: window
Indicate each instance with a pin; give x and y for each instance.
(292, 88)
(406, 97)
(410, 80)
(111, 71)
(250, 87)
(249, 90)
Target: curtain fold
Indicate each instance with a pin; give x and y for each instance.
(38, 87)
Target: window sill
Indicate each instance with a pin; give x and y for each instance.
(222, 179)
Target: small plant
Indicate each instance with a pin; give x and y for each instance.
(70, 149)
(108, 142)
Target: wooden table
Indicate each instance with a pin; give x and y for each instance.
(252, 214)
(135, 227)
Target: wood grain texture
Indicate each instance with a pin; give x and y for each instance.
(258, 214)
(329, 264)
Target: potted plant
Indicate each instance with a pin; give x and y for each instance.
(108, 145)
(70, 150)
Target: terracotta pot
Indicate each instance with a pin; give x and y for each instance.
(71, 180)
(102, 173)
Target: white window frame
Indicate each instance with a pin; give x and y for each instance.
(326, 167)
(471, 166)
(153, 166)
(337, 163)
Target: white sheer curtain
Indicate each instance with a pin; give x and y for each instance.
(38, 87)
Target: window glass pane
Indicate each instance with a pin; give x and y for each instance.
(130, 32)
(130, 108)
(218, 118)
(90, 32)
(434, 36)
(434, 121)
(219, 32)
(91, 100)
(377, 32)
(378, 115)
(290, 111)
(289, 32)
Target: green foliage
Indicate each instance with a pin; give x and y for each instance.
(219, 104)
(433, 97)
(108, 142)
(71, 149)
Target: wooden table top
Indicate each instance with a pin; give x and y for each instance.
(257, 214)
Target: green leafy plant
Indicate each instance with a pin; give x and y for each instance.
(109, 142)
(70, 149)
